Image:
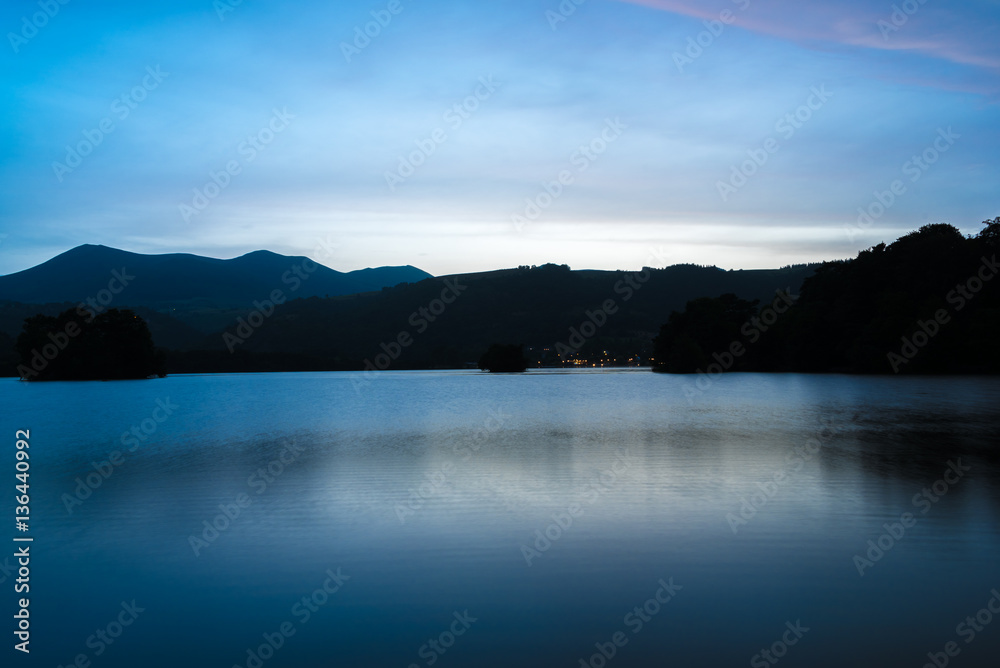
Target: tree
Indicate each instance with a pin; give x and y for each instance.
(79, 345)
(504, 358)
(991, 233)
(706, 326)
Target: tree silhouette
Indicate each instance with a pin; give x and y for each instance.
(504, 358)
(927, 303)
(991, 233)
(77, 345)
(708, 325)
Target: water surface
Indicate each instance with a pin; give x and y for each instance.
(748, 503)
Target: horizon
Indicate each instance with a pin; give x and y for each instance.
(458, 138)
(362, 268)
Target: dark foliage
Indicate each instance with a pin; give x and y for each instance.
(927, 303)
(505, 358)
(707, 326)
(539, 306)
(542, 306)
(76, 345)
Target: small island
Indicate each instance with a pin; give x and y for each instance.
(504, 358)
(79, 344)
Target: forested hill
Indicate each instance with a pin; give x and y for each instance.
(927, 303)
(540, 307)
(449, 321)
(181, 281)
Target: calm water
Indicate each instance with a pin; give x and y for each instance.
(433, 492)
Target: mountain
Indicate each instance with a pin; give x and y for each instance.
(195, 306)
(183, 281)
(923, 304)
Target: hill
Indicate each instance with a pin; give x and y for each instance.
(217, 315)
(926, 303)
(186, 282)
(451, 321)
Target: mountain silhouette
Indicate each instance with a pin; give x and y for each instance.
(184, 280)
(200, 309)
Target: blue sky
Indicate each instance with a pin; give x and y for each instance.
(357, 156)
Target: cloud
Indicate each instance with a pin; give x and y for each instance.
(935, 29)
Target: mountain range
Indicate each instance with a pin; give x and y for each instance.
(181, 279)
(196, 307)
(925, 303)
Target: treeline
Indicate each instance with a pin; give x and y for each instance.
(80, 344)
(604, 317)
(450, 322)
(927, 303)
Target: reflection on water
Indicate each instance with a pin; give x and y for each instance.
(548, 517)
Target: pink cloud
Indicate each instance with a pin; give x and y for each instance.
(937, 29)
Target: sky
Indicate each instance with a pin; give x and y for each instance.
(470, 136)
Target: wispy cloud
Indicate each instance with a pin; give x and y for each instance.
(355, 121)
(961, 34)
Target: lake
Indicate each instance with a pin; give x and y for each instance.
(455, 518)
